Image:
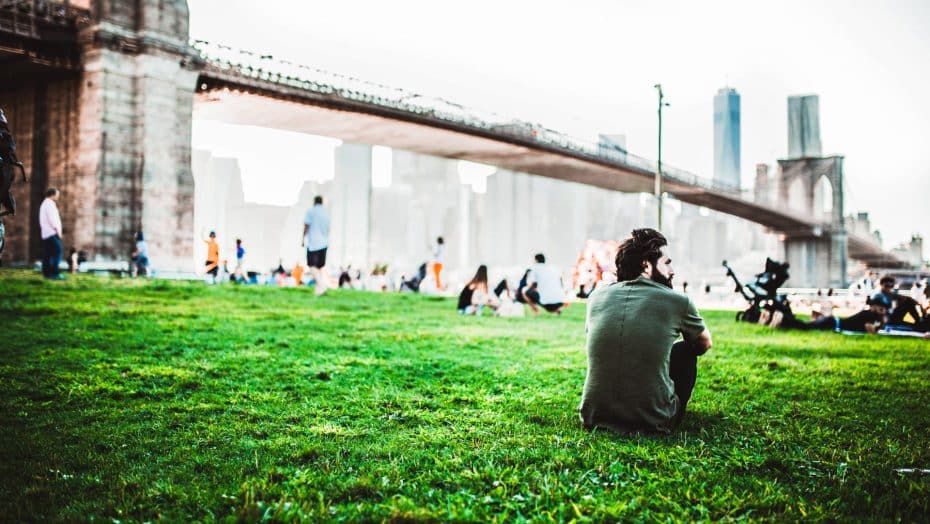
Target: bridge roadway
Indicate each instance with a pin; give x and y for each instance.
(286, 96)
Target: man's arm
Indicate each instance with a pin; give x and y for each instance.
(58, 226)
(691, 323)
(303, 238)
(702, 343)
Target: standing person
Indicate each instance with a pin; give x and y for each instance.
(547, 291)
(213, 257)
(298, 274)
(316, 240)
(50, 226)
(140, 257)
(438, 253)
(639, 378)
(239, 273)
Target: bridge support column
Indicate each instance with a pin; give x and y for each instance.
(135, 135)
(817, 261)
(134, 157)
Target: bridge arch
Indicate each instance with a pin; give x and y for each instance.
(797, 196)
(823, 198)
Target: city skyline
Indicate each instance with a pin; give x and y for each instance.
(572, 85)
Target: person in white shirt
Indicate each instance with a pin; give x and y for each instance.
(316, 241)
(50, 229)
(544, 287)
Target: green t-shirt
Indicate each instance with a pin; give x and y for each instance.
(631, 327)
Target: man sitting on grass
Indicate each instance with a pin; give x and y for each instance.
(639, 378)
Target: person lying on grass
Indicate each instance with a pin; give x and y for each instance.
(869, 320)
(639, 379)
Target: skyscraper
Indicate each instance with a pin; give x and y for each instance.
(803, 126)
(726, 137)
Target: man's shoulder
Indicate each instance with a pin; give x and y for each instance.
(656, 290)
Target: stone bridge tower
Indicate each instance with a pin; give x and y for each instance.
(813, 186)
(110, 125)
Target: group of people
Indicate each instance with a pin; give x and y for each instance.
(314, 240)
(51, 232)
(540, 288)
(640, 377)
(887, 309)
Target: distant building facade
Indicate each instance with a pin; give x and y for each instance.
(912, 250)
(503, 224)
(727, 137)
(804, 126)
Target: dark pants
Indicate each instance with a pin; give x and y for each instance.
(51, 256)
(823, 324)
(316, 258)
(533, 296)
(682, 369)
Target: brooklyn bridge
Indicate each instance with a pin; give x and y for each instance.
(100, 96)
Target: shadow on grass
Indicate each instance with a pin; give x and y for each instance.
(700, 422)
(695, 424)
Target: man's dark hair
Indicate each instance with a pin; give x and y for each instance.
(50, 192)
(643, 246)
(440, 240)
(318, 199)
(540, 258)
(886, 280)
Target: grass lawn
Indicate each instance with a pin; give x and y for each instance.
(136, 401)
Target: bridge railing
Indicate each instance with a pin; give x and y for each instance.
(24, 17)
(266, 68)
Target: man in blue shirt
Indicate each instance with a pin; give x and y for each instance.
(316, 240)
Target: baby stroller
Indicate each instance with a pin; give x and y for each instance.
(763, 291)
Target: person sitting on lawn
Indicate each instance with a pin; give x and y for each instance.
(904, 311)
(474, 295)
(522, 287)
(544, 287)
(639, 379)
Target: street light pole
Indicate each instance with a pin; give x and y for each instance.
(658, 188)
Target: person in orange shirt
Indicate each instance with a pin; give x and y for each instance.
(213, 256)
(298, 273)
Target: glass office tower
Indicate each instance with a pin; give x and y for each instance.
(726, 137)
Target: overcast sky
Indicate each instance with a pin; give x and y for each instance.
(589, 66)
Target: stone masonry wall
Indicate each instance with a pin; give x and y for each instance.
(43, 118)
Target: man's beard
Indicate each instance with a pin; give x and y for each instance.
(657, 277)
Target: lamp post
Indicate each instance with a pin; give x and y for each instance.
(658, 188)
